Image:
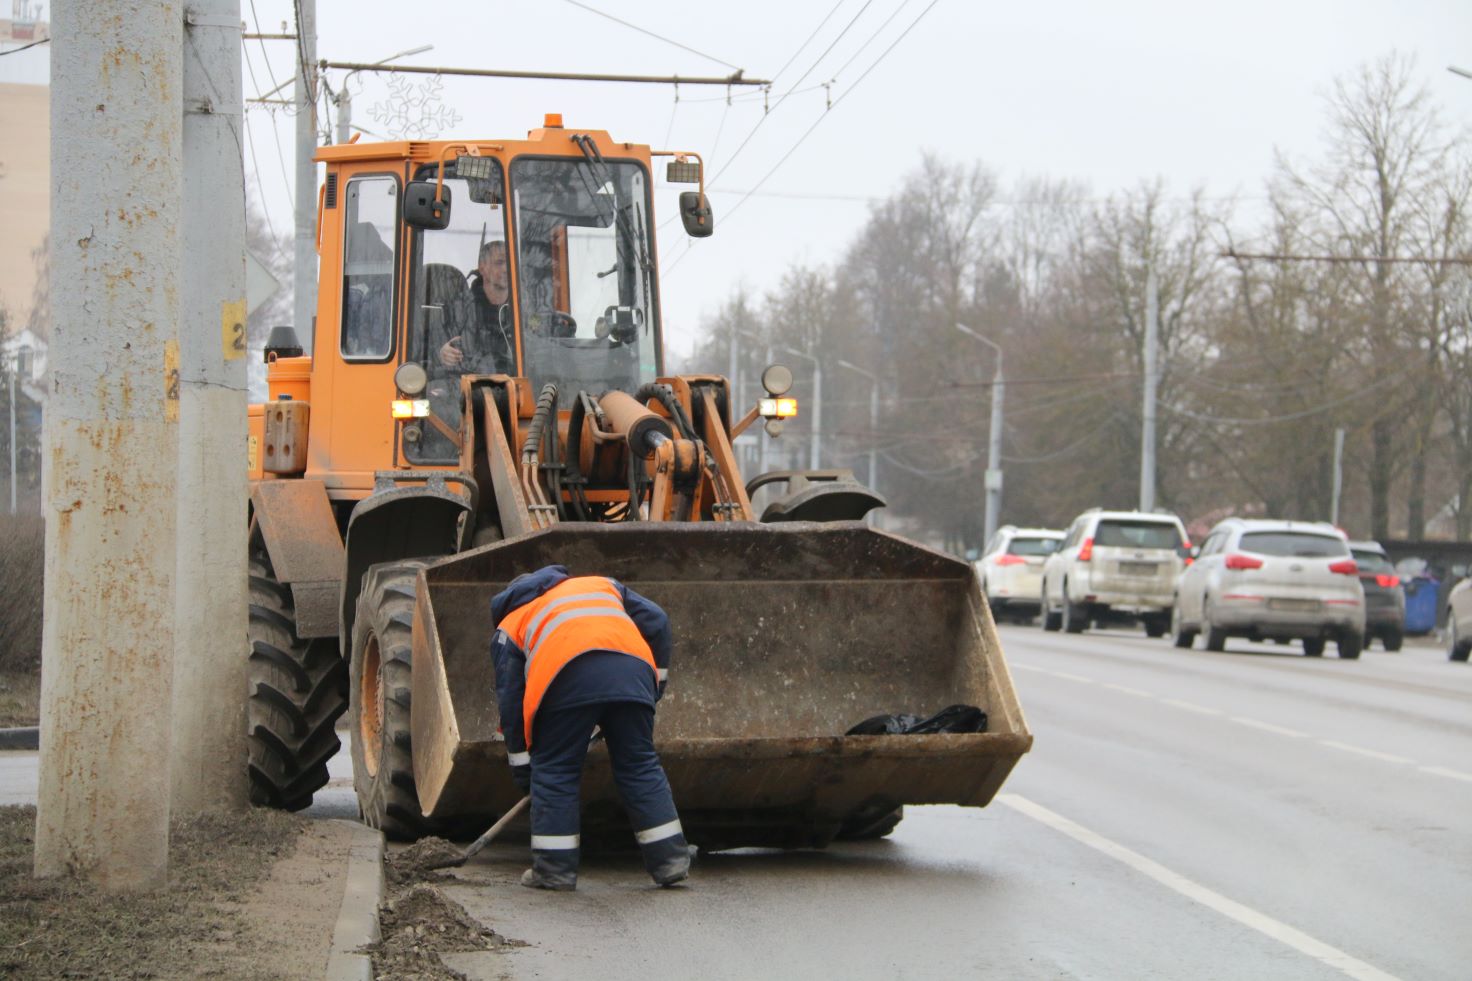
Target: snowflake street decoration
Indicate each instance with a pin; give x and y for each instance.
(414, 112)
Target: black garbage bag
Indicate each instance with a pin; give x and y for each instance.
(955, 718)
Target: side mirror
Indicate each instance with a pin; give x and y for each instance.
(696, 215)
(420, 208)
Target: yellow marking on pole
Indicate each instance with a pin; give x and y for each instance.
(171, 380)
(232, 329)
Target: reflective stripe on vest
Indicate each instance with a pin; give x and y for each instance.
(574, 617)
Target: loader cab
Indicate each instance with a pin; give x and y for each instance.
(572, 213)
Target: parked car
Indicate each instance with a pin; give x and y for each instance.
(1385, 597)
(1114, 565)
(1272, 580)
(1011, 569)
(1459, 621)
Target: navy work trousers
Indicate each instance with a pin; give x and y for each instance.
(559, 748)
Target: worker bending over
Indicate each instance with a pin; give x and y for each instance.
(574, 655)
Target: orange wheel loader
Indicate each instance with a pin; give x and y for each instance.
(486, 394)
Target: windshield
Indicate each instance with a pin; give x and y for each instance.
(460, 309)
(585, 274)
(1292, 544)
(1372, 561)
(1033, 546)
(1137, 534)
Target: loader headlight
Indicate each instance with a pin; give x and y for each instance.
(410, 378)
(777, 408)
(410, 408)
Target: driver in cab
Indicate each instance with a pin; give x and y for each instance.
(482, 344)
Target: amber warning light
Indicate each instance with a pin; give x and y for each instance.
(778, 408)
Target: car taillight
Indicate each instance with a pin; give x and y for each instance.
(1086, 550)
(1186, 557)
(1387, 582)
(1010, 560)
(1240, 562)
(1344, 567)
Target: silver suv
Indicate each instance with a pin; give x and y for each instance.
(1272, 580)
(1112, 565)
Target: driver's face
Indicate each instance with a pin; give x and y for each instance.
(493, 269)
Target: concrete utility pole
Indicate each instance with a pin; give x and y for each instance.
(305, 268)
(14, 367)
(1338, 477)
(1147, 432)
(871, 474)
(210, 603)
(993, 479)
(112, 434)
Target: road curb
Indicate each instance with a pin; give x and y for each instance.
(26, 737)
(357, 921)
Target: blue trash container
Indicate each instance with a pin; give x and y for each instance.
(1421, 601)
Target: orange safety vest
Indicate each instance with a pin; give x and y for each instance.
(577, 615)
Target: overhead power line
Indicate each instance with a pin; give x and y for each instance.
(1456, 260)
(660, 37)
(23, 47)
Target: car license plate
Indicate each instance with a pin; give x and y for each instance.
(1293, 605)
(1138, 568)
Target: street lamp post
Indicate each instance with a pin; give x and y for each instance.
(14, 368)
(873, 417)
(344, 98)
(817, 404)
(993, 480)
(737, 386)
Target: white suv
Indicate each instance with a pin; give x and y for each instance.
(1012, 569)
(1114, 563)
(1273, 580)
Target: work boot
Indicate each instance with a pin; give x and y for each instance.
(666, 854)
(533, 879)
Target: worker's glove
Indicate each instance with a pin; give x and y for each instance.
(522, 777)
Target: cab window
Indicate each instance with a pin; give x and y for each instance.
(370, 219)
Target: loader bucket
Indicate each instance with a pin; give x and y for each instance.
(785, 636)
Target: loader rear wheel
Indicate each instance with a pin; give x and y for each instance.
(298, 689)
(381, 680)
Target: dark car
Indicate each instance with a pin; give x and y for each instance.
(1385, 598)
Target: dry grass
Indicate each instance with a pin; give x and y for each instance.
(195, 928)
(20, 698)
(22, 555)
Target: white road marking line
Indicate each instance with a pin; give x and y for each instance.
(1129, 691)
(1442, 771)
(1191, 707)
(1267, 726)
(1073, 677)
(1245, 915)
(1373, 754)
(1018, 665)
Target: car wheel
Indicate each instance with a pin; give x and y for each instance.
(1349, 644)
(1157, 625)
(1313, 646)
(1075, 619)
(1179, 634)
(1393, 640)
(1456, 648)
(1216, 637)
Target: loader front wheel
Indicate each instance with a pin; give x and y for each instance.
(381, 680)
(868, 827)
(298, 689)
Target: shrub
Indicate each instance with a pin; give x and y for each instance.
(22, 558)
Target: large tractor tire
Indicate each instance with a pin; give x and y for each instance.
(298, 689)
(381, 680)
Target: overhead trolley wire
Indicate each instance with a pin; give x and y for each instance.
(660, 37)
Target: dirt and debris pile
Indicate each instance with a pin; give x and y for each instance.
(418, 924)
(419, 860)
(193, 928)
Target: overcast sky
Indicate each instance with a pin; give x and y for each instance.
(1107, 93)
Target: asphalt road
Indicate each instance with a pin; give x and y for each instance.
(1253, 814)
(1183, 814)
